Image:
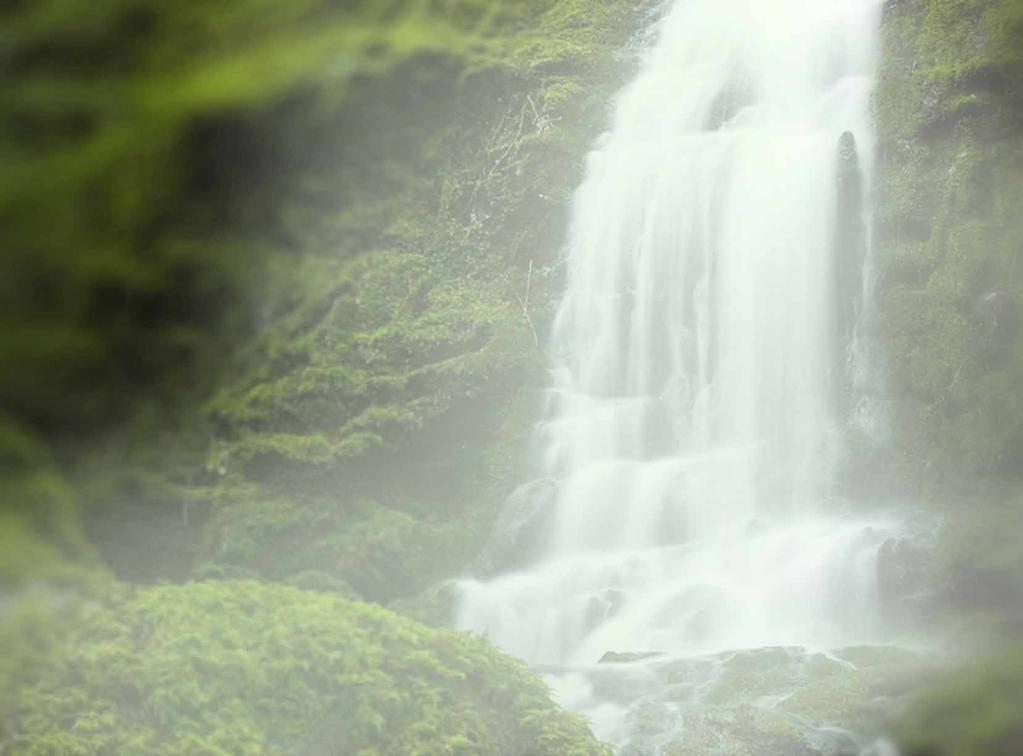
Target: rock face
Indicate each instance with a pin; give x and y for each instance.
(949, 243)
(520, 528)
(949, 232)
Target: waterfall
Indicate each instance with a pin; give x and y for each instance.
(697, 410)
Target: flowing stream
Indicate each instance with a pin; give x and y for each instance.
(703, 361)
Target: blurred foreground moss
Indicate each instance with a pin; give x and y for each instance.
(243, 667)
(40, 533)
(978, 711)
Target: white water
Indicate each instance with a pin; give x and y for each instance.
(692, 431)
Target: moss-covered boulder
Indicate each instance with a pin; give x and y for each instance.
(244, 667)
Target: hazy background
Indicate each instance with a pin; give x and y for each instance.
(276, 280)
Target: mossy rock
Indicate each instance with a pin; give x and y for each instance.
(244, 667)
(742, 731)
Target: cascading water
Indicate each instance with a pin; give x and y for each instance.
(695, 416)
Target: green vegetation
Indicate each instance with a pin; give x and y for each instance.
(244, 667)
(308, 240)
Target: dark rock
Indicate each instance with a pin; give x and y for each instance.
(849, 254)
(616, 657)
(519, 529)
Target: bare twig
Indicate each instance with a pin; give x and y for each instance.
(524, 302)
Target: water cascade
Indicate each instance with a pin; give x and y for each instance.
(701, 354)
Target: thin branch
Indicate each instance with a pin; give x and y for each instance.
(524, 302)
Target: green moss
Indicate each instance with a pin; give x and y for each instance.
(245, 668)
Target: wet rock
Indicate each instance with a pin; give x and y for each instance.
(519, 529)
(615, 657)
(778, 701)
(903, 577)
(996, 313)
(849, 254)
(745, 731)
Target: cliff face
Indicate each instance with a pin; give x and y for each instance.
(949, 243)
(949, 232)
(278, 276)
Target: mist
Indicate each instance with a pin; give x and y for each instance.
(635, 377)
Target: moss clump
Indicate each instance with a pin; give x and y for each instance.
(243, 667)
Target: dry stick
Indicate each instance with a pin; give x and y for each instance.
(525, 304)
(537, 120)
(513, 144)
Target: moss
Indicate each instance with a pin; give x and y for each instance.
(243, 668)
